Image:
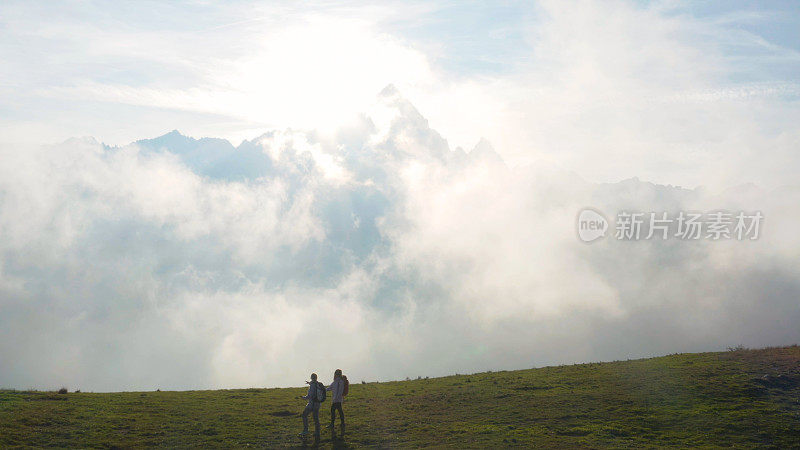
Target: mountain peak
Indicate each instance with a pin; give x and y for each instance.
(389, 91)
(483, 146)
(174, 134)
(483, 150)
(174, 141)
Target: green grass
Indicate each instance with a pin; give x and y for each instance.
(697, 400)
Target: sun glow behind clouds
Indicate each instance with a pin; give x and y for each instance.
(315, 73)
(257, 69)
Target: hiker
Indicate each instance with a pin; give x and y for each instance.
(315, 396)
(339, 387)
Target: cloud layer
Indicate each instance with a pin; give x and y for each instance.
(178, 263)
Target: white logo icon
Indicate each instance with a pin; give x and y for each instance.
(591, 225)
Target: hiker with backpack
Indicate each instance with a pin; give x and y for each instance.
(315, 396)
(340, 386)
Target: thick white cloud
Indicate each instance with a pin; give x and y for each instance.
(141, 267)
(616, 89)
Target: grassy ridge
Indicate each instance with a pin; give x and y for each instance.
(744, 398)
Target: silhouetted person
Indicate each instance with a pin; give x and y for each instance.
(337, 389)
(312, 406)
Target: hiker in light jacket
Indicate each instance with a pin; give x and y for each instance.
(337, 388)
(311, 407)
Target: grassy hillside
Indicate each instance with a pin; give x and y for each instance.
(745, 398)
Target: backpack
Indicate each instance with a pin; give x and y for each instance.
(322, 394)
(346, 386)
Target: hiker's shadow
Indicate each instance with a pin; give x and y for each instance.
(337, 442)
